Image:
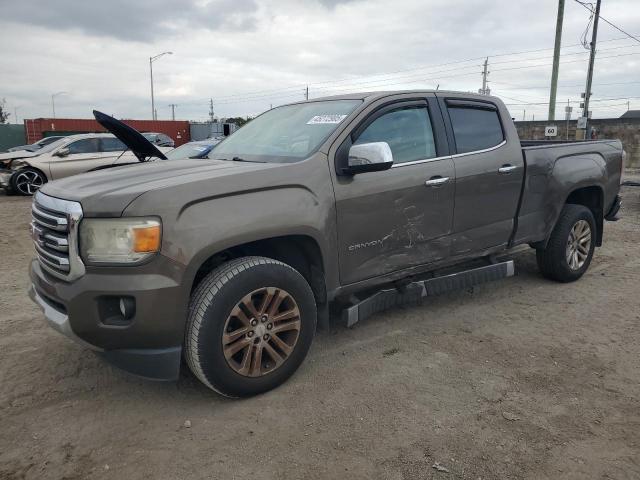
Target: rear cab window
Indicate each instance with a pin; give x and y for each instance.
(475, 127)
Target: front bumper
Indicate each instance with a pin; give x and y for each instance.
(5, 178)
(149, 344)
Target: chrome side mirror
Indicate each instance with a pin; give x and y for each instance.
(369, 157)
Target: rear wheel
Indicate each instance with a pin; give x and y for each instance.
(571, 245)
(251, 323)
(27, 181)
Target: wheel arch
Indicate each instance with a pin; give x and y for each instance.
(302, 252)
(592, 197)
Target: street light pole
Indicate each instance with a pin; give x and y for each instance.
(153, 107)
(53, 102)
(151, 60)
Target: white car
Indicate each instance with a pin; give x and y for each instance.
(25, 172)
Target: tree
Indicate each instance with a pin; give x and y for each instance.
(239, 121)
(4, 115)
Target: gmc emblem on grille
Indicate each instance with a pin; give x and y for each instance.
(36, 234)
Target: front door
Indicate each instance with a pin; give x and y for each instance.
(401, 217)
(489, 175)
(84, 155)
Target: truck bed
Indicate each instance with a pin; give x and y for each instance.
(556, 168)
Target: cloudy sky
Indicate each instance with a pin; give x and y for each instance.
(250, 54)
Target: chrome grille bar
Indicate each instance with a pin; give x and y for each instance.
(54, 230)
(48, 220)
(55, 261)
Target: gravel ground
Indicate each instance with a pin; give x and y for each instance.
(522, 378)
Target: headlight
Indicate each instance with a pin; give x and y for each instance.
(119, 240)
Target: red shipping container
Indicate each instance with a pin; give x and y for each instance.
(37, 127)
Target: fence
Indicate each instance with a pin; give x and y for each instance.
(11, 135)
(625, 129)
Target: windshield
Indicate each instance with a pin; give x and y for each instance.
(52, 146)
(286, 134)
(189, 150)
(47, 140)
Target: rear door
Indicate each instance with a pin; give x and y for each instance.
(401, 217)
(489, 173)
(113, 152)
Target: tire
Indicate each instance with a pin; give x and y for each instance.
(220, 311)
(554, 262)
(27, 181)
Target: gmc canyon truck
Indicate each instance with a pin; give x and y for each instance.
(231, 261)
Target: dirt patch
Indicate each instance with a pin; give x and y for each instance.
(522, 378)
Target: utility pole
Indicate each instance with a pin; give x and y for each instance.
(592, 58)
(524, 114)
(567, 115)
(306, 93)
(211, 109)
(485, 90)
(556, 61)
(173, 110)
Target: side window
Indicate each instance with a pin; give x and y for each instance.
(112, 145)
(407, 131)
(88, 145)
(475, 128)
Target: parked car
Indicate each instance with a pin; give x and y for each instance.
(199, 149)
(354, 200)
(25, 172)
(159, 139)
(36, 145)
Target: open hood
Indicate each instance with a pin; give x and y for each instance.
(140, 146)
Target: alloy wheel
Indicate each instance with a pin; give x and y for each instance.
(578, 244)
(28, 183)
(261, 332)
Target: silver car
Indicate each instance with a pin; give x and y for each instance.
(25, 172)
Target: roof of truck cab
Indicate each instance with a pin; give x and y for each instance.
(370, 96)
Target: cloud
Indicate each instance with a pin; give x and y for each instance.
(248, 55)
(139, 20)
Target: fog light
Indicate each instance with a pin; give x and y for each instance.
(127, 307)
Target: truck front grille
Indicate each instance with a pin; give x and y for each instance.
(54, 230)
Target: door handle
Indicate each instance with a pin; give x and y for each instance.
(436, 181)
(507, 168)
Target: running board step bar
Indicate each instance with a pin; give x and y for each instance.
(413, 293)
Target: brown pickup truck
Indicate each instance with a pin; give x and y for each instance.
(358, 201)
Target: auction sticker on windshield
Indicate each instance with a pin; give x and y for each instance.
(324, 119)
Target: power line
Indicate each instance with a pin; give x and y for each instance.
(574, 101)
(590, 8)
(351, 79)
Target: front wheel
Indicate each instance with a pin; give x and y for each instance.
(251, 323)
(570, 247)
(27, 181)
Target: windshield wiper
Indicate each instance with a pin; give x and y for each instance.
(238, 159)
